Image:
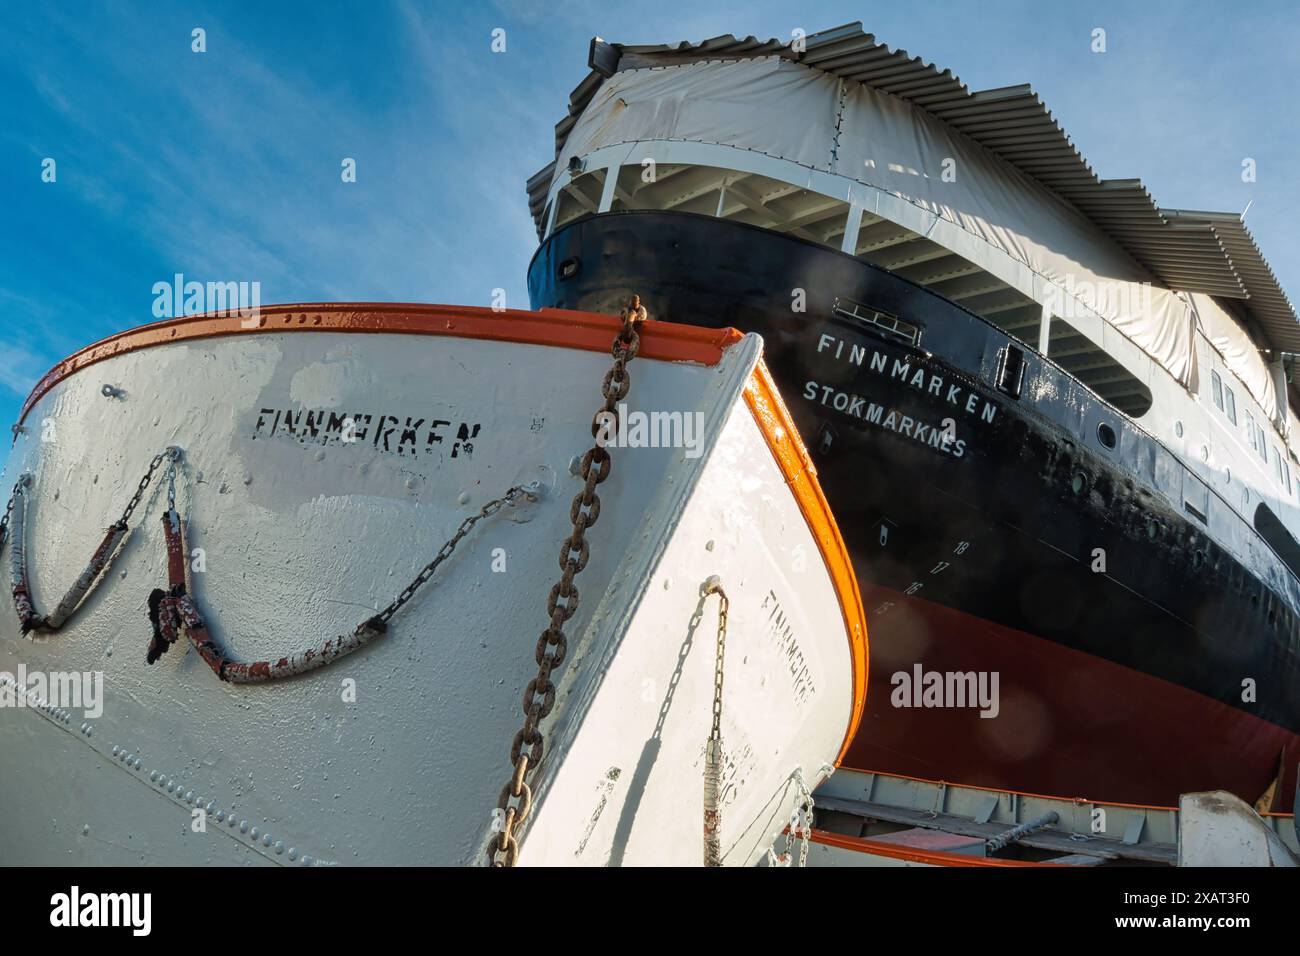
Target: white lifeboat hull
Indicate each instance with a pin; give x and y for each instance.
(297, 530)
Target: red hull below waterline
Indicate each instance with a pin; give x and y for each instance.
(1068, 723)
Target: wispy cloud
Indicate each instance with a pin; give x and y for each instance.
(225, 165)
(19, 370)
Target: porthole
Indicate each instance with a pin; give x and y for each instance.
(1178, 429)
(1106, 435)
(569, 268)
(1079, 483)
(1153, 528)
(1205, 453)
(1198, 560)
(1227, 476)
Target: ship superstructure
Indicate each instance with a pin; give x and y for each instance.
(1055, 420)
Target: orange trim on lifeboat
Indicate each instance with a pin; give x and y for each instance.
(1039, 796)
(913, 855)
(774, 421)
(1018, 793)
(667, 341)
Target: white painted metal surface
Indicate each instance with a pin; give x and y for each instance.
(1220, 829)
(303, 538)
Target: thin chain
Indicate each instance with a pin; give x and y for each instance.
(562, 603)
(131, 505)
(144, 483)
(713, 749)
(799, 828)
(173, 456)
(171, 484)
(4, 522)
(805, 810)
(489, 509)
(714, 586)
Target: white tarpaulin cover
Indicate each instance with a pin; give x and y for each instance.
(768, 105)
(1240, 354)
(789, 111)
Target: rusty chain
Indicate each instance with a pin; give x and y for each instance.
(539, 696)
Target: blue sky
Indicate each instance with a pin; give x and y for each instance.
(225, 165)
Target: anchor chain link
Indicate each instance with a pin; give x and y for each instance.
(171, 483)
(516, 797)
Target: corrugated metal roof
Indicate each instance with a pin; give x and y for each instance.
(1213, 253)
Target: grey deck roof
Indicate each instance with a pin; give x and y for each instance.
(1207, 252)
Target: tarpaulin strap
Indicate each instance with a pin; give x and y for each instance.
(163, 604)
(303, 661)
(173, 611)
(83, 584)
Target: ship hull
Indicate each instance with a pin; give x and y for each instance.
(1138, 656)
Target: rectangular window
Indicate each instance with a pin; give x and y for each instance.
(890, 325)
(1230, 406)
(1216, 388)
(1262, 446)
(1250, 429)
(1196, 496)
(1277, 464)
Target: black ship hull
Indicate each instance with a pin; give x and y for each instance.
(1003, 521)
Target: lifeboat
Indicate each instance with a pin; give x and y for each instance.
(355, 584)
